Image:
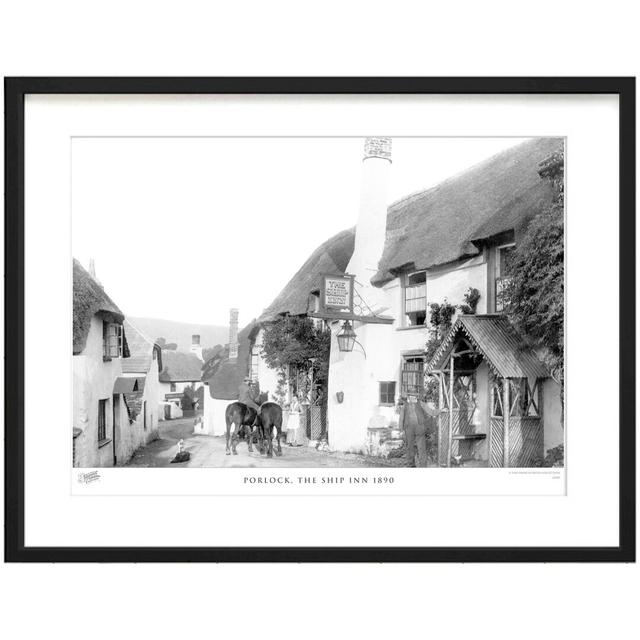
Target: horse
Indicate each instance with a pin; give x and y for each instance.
(242, 416)
(239, 415)
(269, 416)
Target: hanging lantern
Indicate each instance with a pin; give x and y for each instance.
(346, 337)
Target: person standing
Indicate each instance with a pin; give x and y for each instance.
(295, 437)
(413, 420)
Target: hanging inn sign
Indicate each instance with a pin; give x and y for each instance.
(340, 300)
(337, 293)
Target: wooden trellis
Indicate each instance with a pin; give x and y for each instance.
(513, 418)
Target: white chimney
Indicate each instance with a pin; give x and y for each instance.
(233, 334)
(92, 270)
(372, 217)
(195, 346)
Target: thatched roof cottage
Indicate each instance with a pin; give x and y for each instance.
(103, 434)
(427, 247)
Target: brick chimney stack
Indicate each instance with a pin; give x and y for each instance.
(195, 346)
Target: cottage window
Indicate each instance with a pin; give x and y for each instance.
(387, 393)
(255, 356)
(412, 380)
(415, 298)
(504, 271)
(172, 387)
(102, 420)
(112, 340)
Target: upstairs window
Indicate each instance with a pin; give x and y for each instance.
(172, 387)
(504, 271)
(111, 340)
(415, 299)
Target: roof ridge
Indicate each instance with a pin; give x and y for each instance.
(422, 192)
(140, 331)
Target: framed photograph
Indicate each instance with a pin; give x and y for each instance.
(320, 319)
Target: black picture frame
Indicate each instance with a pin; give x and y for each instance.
(15, 91)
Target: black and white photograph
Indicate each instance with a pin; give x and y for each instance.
(318, 302)
(358, 317)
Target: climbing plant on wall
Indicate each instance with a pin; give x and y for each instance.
(294, 341)
(440, 321)
(534, 296)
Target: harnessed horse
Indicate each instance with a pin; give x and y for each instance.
(241, 416)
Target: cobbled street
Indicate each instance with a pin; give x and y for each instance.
(209, 451)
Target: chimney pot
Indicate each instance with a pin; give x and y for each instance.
(377, 148)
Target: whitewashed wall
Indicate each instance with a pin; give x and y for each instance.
(93, 380)
(213, 422)
(384, 345)
(552, 415)
(152, 397)
(267, 377)
(165, 387)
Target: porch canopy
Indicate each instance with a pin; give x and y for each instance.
(128, 384)
(510, 416)
(492, 336)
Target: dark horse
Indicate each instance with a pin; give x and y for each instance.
(240, 416)
(243, 417)
(270, 416)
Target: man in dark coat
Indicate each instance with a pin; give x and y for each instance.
(248, 394)
(416, 423)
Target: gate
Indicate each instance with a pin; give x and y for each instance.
(314, 420)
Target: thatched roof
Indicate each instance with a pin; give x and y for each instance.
(223, 375)
(89, 299)
(331, 257)
(178, 366)
(426, 229)
(141, 351)
(437, 226)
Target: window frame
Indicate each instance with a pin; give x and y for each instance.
(405, 287)
(102, 421)
(107, 346)
(497, 277)
(412, 358)
(254, 363)
(386, 393)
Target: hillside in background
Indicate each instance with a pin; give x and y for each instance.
(181, 332)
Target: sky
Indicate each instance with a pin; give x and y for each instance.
(186, 228)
